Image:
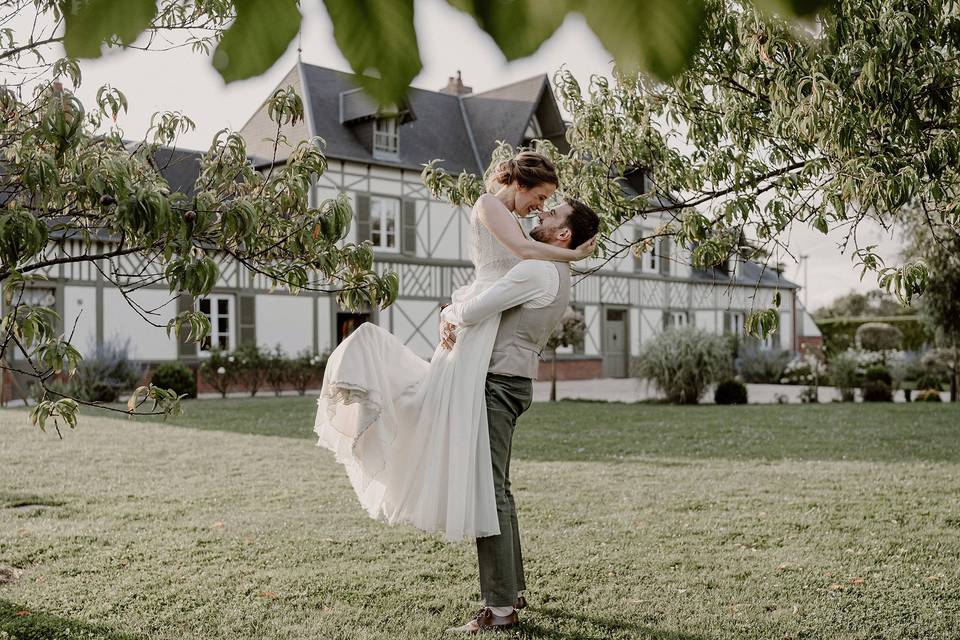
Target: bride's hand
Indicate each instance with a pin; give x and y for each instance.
(586, 249)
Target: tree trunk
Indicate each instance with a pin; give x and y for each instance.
(553, 377)
(955, 371)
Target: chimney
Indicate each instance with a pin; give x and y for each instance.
(455, 86)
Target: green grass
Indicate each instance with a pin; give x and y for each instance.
(645, 521)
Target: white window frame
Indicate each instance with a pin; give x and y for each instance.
(382, 208)
(737, 320)
(214, 316)
(680, 318)
(651, 259)
(533, 130)
(386, 138)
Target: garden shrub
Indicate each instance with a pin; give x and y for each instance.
(762, 366)
(251, 366)
(844, 374)
(176, 376)
(105, 374)
(682, 362)
(277, 369)
(307, 368)
(878, 336)
(219, 369)
(877, 391)
(802, 369)
(878, 373)
(730, 392)
(929, 379)
(927, 395)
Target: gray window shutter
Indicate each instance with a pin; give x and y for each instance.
(726, 322)
(409, 224)
(186, 348)
(666, 319)
(246, 320)
(363, 217)
(665, 256)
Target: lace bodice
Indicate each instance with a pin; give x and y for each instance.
(490, 258)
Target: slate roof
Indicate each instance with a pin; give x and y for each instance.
(181, 167)
(445, 126)
(748, 274)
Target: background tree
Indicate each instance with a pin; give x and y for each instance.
(872, 304)
(67, 173)
(771, 126)
(568, 333)
(940, 302)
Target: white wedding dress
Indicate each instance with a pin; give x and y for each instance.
(412, 434)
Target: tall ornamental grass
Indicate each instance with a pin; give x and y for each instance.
(683, 362)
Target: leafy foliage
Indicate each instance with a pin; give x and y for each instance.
(378, 39)
(763, 366)
(68, 173)
(839, 333)
(770, 127)
(878, 336)
(682, 362)
(871, 304)
(730, 392)
(877, 391)
(177, 377)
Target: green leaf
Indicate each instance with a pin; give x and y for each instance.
(802, 8)
(378, 40)
(260, 34)
(659, 36)
(90, 23)
(518, 27)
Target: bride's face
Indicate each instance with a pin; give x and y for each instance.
(530, 200)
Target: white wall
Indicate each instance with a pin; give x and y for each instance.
(146, 342)
(324, 329)
(408, 315)
(706, 320)
(285, 320)
(636, 331)
(80, 306)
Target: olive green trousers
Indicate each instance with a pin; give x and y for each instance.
(500, 560)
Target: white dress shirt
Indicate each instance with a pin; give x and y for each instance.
(531, 283)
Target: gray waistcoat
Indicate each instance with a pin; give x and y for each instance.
(524, 332)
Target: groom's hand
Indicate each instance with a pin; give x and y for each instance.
(447, 336)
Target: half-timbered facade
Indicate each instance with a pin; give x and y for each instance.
(375, 158)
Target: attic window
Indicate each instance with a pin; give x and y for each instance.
(386, 138)
(533, 130)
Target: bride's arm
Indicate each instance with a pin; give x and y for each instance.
(503, 225)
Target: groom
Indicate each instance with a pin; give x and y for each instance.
(532, 297)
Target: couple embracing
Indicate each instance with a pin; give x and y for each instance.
(428, 443)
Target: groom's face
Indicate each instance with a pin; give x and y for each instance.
(553, 228)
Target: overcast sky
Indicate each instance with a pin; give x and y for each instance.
(449, 41)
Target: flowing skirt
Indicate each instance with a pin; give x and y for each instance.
(411, 434)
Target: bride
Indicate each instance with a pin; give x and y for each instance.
(411, 434)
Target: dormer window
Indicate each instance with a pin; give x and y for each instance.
(533, 130)
(386, 138)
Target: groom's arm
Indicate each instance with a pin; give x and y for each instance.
(527, 281)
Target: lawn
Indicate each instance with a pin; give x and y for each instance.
(640, 521)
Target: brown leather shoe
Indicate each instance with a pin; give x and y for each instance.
(521, 603)
(486, 620)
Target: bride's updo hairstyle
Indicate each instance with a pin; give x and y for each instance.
(528, 169)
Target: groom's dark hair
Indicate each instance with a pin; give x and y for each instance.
(582, 222)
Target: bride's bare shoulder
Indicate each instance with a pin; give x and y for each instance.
(488, 204)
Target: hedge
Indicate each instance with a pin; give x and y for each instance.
(839, 333)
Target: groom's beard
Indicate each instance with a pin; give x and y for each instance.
(539, 234)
